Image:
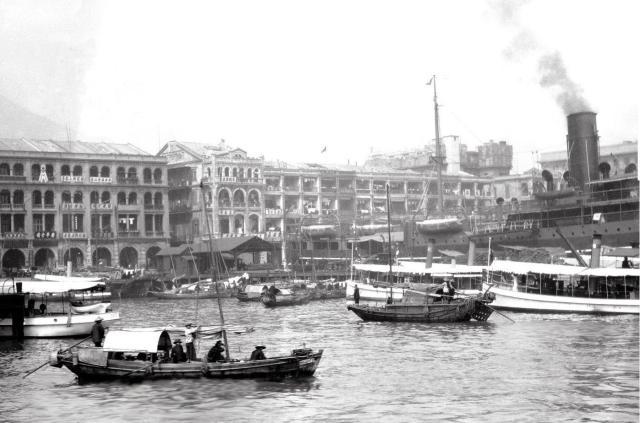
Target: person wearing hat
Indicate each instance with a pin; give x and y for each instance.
(177, 353)
(215, 353)
(258, 354)
(190, 335)
(97, 332)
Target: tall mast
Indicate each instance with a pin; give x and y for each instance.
(389, 233)
(214, 271)
(438, 157)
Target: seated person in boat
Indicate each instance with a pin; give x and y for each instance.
(449, 291)
(440, 293)
(258, 354)
(177, 353)
(215, 353)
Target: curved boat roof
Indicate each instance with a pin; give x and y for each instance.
(135, 341)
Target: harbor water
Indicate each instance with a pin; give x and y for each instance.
(543, 367)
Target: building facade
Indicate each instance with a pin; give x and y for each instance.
(99, 204)
(305, 210)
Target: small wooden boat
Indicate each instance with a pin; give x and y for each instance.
(143, 354)
(279, 297)
(200, 290)
(457, 310)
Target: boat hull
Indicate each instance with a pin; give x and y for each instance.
(285, 300)
(535, 303)
(58, 325)
(295, 365)
(462, 310)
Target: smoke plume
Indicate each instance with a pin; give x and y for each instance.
(552, 72)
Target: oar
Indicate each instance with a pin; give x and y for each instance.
(47, 362)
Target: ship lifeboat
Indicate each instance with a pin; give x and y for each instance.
(448, 224)
(319, 230)
(370, 229)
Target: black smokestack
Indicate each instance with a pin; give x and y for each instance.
(583, 150)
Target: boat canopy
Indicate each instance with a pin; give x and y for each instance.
(149, 341)
(611, 272)
(47, 287)
(412, 267)
(522, 268)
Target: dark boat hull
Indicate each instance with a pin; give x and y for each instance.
(295, 365)
(286, 300)
(461, 310)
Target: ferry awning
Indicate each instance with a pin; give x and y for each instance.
(451, 253)
(622, 252)
(47, 287)
(611, 272)
(408, 267)
(522, 268)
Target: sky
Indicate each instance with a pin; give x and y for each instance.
(285, 79)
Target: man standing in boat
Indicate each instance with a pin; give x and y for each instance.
(356, 295)
(190, 334)
(97, 332)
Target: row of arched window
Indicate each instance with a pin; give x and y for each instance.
(236, 172)
(239, 196)
(95, 197)
(148, 175)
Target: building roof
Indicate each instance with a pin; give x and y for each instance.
(80, 147)
(271, 165)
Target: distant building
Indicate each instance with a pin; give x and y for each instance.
(491, 159)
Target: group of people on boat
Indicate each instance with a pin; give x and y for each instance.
(446, 292)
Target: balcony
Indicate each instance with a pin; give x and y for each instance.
(101, 206)
(100, 180)
(132, 180)
(180, 207)
(72, 179)
(239, 204)
(128, 207)
(72, 206)
(275, 188)
(45, 235)
(74, 235)
(273, 212)
(158, 207)
(128, 234)
(154, 234)
(13, 235)
(101, 235)
(13, 178)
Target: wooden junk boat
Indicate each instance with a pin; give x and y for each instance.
(141, 354)
(433, 309)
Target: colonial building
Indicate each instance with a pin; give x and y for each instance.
(313, 207)
(88, 203)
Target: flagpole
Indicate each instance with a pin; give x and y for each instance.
(489, 253)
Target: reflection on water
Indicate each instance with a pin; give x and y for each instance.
(543, 367)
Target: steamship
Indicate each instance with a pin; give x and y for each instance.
(588, 203)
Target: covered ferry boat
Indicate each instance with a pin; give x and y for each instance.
(140, 354)
(539, 287)
(375, 284)
(57, 314)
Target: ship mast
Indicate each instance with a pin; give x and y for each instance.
(438, 157)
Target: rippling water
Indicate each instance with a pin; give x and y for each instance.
(541, 368)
